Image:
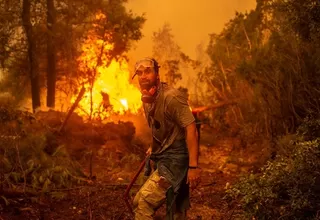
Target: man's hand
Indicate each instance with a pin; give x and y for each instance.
(194, 177)
(149, 151)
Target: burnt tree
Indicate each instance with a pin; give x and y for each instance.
(51, 55)
(32, 64)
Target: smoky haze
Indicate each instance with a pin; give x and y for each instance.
(191, 21)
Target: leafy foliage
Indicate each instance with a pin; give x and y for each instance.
(169, 55)
(25, 161)
(268, 59)
(287, 187)
(38, 170)
(75, 22)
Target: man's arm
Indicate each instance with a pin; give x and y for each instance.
(180, 112)
(192, 143)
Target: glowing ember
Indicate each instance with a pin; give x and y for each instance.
(111, 91)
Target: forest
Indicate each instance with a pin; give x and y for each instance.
(73, 132)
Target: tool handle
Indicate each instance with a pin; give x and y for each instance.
(126, 194)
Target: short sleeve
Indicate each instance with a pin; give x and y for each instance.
(179, 111)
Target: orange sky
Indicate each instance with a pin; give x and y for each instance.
(191, 20)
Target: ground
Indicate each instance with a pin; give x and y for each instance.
(112, 168)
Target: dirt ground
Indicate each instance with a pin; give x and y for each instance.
(113, 168)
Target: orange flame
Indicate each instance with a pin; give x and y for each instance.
(111, 91)
(121, 96)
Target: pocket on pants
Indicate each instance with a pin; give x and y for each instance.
(154, 190)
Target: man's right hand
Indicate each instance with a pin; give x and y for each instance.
(149, 151)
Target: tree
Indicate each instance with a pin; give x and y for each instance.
(58, 29)
(51, 54)
(107, 24)
(13, 48)
(265, 59)
(33, 62)
(168, 54)
(108, 39)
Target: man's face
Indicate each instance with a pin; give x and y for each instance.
(146, 75)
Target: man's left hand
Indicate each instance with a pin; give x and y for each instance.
(194, 177)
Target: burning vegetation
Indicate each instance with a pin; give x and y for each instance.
(106, 80)
(111, 93)
(254, 89)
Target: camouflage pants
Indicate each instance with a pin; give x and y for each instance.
(151, 196)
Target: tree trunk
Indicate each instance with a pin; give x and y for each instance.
(51, 55)
(33, 64)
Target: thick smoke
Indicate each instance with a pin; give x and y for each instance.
(191, 21)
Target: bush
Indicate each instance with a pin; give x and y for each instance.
(287, 187)
(26, 163)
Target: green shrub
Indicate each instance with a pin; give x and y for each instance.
(25, 162)
(287, 187)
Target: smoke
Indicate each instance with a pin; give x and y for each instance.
(191, 21)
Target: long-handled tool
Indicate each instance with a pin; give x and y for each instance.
(126, 194)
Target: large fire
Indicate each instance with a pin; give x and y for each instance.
(111, 91)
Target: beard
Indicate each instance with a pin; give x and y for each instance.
(147, 84)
